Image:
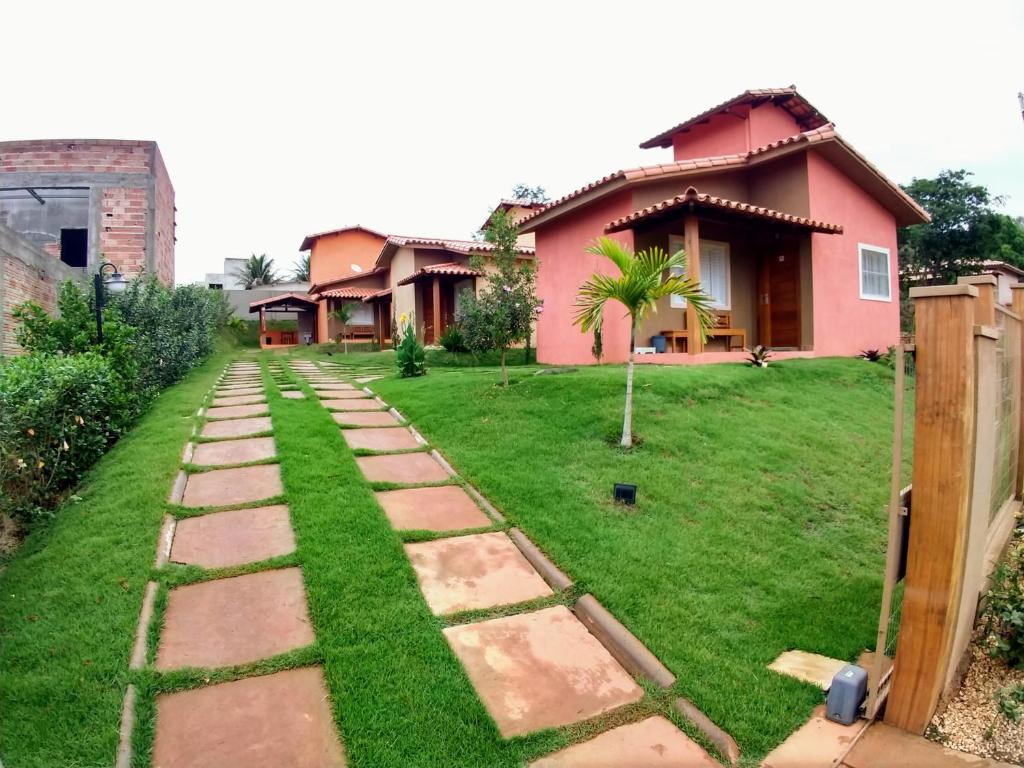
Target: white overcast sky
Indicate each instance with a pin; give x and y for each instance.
(414, 118)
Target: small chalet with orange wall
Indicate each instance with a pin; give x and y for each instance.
(386, 276)
(790, 230)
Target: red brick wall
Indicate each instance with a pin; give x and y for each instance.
(163, 224)
(90, 156)
(23, 283)
(123, 232)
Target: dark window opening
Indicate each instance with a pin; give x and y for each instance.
(74, 247)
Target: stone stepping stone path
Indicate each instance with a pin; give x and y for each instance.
(240, 451)
(365, 404)
(467, 573)
(533, 669)
(440, 508)
(381, 439)
(329, 395)
(277, 719)
(283, 719)
(540, 670)
(239, 485)
(293, 394)
(236, 427)
(235, 537)
(225, 622)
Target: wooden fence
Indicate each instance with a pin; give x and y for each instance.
(966, 481)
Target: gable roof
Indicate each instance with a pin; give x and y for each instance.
(319, 287)
(806, 115)
(507, 205)
(824, 138)
(347, 293)
(308, 240)
(458, 270)
(692, 197)
(300, 300)
(464, 247)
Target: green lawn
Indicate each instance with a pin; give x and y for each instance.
(759, 526)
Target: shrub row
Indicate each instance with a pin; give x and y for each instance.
(70, 396)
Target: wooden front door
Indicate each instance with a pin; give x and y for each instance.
(779, 293)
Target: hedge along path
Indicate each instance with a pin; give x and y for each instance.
(534, 663)
(231, 609)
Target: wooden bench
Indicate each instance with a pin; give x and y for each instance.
(722, 327)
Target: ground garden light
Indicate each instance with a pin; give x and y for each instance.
(625, 493)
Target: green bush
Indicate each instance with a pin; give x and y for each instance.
(57, 417)
(1004, 617)
(410, 354)
(452, 340)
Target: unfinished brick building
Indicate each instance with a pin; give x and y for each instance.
(86, 201)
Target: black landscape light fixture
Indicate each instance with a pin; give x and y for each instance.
(625, 493)
(115, 282)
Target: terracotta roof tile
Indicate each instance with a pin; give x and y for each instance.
(316, 287)
(283, 298)
(457, 246)
(347, 293)
(440, 269)
(805, 114)
(692, 196)
(377, 295)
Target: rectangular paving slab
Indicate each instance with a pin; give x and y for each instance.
(236, 427)
(467, 573)
(256, 397)
(407, 468)
(810, 667)
(293, 394)
(234, 451)
(442, 508)
(380, 439)
(240, 485)
(340, 394)
(283, 719)
(366, 419)
(651, 743)
(236, 411)
(365, 404)
(235, 537)
(334, 385)
(540, 670)
(237, 391)
(232, 621)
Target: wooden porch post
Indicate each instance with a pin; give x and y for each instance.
(263, 320)
(691, 244)
(437, 309)
(943, 482)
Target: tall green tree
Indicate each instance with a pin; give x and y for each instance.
(257, 271)
(964, 232)
(503, 314)
(301, 273)
(644, 277)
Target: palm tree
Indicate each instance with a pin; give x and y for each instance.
(257, 271)
(302, 269)
(638, 288)
(343, 314)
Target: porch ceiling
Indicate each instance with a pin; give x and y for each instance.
(288, 302)
(440, 270)
(691, 199)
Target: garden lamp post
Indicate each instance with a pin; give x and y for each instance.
(115, 282)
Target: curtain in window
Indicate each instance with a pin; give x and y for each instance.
(714, 274)
(874, 274)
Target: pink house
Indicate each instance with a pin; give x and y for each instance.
(790, 230)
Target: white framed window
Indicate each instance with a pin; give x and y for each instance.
(715, 272)
(875, 280)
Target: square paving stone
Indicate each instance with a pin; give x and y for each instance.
(236, 427)
(270, 721)
(234, 451)
(236, 537)
(236, 411)
(223, 487)
(366, 419)
(232, 621)
(651, 743)
(380, 439)
(364, 404)
(238, 391)
(410, 468)
(540, 670)
(239, 399)
(817, 743)
(443, 508)
(810, 667)
(368, 379)
(337, 394)
(334, 386)
(293, 394)
(470, 572)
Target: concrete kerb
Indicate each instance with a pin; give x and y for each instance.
(417, 436)
(489, 508)
(124, 745)
(397, 415)
(178, 489)
(138, 660)
(186, 455)
(381, 402)
(621, 643)
(550, 572)
(724, 743)
(163, 546)
(441, 460)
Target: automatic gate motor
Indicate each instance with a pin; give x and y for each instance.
(849, 687)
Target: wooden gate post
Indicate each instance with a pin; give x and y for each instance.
(944, 434)
(1017, 291)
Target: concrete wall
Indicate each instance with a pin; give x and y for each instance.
(131, 200)
(27, 273)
